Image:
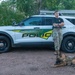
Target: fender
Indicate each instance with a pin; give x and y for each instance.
(7, 35)
(69, 34)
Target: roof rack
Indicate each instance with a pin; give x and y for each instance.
(46, 12)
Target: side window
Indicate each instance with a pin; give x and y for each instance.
(71, 20)
(33, 21)
(47, 21)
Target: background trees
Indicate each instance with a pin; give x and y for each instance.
(20, 9)
(8, 13)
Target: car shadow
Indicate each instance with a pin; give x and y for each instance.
(28, 49)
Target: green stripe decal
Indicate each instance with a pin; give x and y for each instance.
(42, 33)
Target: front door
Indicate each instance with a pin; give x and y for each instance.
(34, 29)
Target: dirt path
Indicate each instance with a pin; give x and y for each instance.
(31, 62)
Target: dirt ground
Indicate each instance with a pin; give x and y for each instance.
(32, 62)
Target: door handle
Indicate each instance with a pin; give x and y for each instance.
(64, 27)
(37, 28)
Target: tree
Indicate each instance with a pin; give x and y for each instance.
(26, 6)
(68, 4)
(7, 14)
(19, 9)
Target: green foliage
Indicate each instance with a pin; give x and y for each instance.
(7, 14)
(68, 4)
(26, 6)
(29, 7)
(19, 9)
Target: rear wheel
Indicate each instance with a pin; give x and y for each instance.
(68, 44)
(4, 44)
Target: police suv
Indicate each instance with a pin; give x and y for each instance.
(37, 31)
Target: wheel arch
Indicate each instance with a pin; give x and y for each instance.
(69, 34)
(8, 36)
(66, 35)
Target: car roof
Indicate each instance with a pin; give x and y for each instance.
(53, 16)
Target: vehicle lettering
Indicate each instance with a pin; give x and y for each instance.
(45, 35)
(30, 35)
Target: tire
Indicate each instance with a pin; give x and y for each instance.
(4, 44)
(68, 44)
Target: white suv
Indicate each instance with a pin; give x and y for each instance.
(37, 30)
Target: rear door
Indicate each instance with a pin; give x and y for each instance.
(46, 29)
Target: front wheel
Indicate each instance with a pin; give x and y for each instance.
(4, 44)
(68, 44)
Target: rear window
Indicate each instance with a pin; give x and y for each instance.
(47, 21)
(71, 20)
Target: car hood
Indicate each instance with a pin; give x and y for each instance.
(6, 27)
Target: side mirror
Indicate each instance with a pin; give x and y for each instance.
(21, 24)
(14, 22)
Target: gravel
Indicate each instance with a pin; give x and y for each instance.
(32, 62)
